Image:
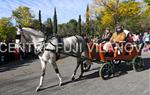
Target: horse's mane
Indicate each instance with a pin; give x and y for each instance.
(33, 32)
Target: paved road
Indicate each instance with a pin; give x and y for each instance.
(22, 78)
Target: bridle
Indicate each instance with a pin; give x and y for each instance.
(23, 35)
(43, 42)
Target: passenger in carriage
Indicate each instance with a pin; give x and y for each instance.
(129, 38)
(119, 35)
(106, 36)
(115, 39)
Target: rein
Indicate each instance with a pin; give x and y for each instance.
(24, 37)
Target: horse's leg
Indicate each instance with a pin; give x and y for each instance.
(81, 75)
(43, 65)
(53, 62)
(74, 73)
(57, 73)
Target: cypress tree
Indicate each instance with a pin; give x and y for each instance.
(40, 20)
(79, 25)
(51, 26)
(55, 22)
(87, 21)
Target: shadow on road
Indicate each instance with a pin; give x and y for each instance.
(124, 67)
(95, 74)
(44, 88)
(14, 65)
(146, 63)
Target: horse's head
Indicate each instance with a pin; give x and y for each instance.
(25, 37)
(30, 36)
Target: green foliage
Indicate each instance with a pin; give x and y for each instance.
(63, 29)
(128, 13)
(7, 31)
(69, 28)
(72, 24)
(87, 30)
(11, 33)
(36, 24)
(23, 16)
(49, 26)
(147, 1)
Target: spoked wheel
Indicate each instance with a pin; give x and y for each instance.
(105, 71)
(86, 66)
(138, 65)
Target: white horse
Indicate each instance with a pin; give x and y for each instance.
(48, 55)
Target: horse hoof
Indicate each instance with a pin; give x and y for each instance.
(73, 78)
(80, 76)
(60, 84)
(38, 89)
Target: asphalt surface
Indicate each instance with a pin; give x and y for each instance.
(22, 78)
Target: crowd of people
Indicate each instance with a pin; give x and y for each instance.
(122, 34)
(113, 39)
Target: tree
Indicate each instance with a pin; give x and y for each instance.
(72, 27)
(63, 29)
(49, 26)
(144, 18)
(7, 31)
(23, 16)
(40, 20)
(55, 22)
(36, 24)
(69, 28)
(111, 12)
(87, 20)
(147, 1)
(79, 25)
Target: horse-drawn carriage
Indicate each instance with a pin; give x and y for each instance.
(47, 52)
(109, 58)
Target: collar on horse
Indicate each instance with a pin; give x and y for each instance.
(47, 40)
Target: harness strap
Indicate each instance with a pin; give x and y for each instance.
(52, 44)
(59, 51)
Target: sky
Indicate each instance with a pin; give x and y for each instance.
(66, 9)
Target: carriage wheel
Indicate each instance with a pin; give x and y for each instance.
(138, 64)
(86, 66)
(105, 71)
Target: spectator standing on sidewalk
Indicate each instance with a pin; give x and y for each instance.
(146, 37)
